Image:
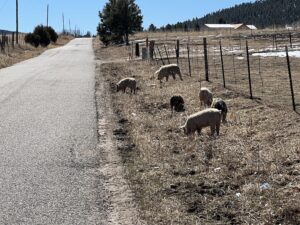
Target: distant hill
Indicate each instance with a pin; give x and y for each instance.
(261, 13)
(5, 32)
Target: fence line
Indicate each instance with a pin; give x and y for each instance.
(8, 42)
(240, 64)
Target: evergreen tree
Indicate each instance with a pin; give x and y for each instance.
(152, 28)
(222, 21)
(52, 33)
(261, 13)
(168, 27)
(42, 32)
(186, 29)
(119, 19)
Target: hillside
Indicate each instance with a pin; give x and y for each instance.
(262, 13)
(5, 32)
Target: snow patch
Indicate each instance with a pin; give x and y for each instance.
(295, 54)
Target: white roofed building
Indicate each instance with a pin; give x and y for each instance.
(219, 26)
(229, 27)
(252, 27)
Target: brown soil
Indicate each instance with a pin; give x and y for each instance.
(247, 175)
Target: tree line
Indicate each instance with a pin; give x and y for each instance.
(120, 18)
(261, 13)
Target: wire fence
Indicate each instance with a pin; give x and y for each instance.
(263, 67)
(8, 41)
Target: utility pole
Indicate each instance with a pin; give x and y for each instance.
(17, 22)
(47, 15)
(69, 27)
(63, 17)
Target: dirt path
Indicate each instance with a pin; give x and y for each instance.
(121, 205)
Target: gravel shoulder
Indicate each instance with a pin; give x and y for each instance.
(120, 203)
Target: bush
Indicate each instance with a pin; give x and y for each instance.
(41, 36)
(88, 34)
(32, 39)
(52, 33)
(44, 35)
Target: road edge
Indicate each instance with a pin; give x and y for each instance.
(122, 208)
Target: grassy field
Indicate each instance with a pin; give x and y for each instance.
(269, 75)
(247, 175)
(23, 52)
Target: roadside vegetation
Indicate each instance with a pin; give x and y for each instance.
(23, 52)
(247, 175)
(41, 36)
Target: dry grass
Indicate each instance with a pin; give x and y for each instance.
(209, 33)
(269, 75)
(204, 179)
(24, 52)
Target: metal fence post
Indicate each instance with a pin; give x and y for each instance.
(222, 62)
(189, 60)
(290, 77)
(205, 59)
(249, 71)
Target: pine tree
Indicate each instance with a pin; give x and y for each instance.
(152, 28)
(119, 19)
(262, 14)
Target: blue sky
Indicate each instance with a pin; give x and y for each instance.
(84, 14)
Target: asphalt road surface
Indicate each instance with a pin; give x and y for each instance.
(48, 138)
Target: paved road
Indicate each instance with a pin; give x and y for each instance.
(48, 138)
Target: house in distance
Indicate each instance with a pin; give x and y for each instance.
(240, 26)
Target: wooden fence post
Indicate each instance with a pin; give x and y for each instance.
(167, 54)
(132, 49)
(222, 62)
(290, 77)
(13, 39)
(2, 42)
(189, 60)
(7, 42)
(205, 59)
(249, 71)
(177, 51)
(137, 50)
(151, 49)
(155, 58)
